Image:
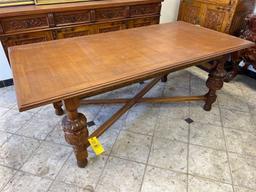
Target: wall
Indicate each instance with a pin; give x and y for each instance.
(5, 71)
(169, 13)
(170, 10)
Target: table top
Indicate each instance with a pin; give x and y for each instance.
(56, 70)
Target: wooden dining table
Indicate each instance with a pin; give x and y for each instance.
(71, 70)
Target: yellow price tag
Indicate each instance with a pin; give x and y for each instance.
(96, 145)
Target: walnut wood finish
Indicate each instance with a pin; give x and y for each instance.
(87, 66)
(220, 15)
(214, 83)
(32, 24)
(52, 71)
(75, 128)
(58, 108)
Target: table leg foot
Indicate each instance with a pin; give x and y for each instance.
(76, 133)
(215, 82)
(58, 108)
(164, 79)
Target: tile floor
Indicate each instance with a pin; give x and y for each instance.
(150, 149)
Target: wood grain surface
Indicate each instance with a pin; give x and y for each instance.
(56, 70)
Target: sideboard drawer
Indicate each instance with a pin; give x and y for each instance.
(150, 9)
(111, 26)
(111, 13)
(14, 24)
(143, 22)
(27, 38)
(70, 18)
(73, 32)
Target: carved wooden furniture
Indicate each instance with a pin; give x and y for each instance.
(247, 55)
(220, 15)
(31, 24)
(75, 68)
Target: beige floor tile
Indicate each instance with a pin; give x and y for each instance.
(82, 177)
(232, 102)
(39, 127)
(174, 110)
(207, 135)
(22, 182)
(57, 135)
(109, 137)
(5, 175)
(173, 91)
(196, 184)
(168, 154)
(243, 170)
(3, 111)
(63, 187)
(4, 136)
(13, 120)
(8, 98)
(90, 111)
(156, 91)
(47, 160)
(240, 142)
(231, 88)
(121, 176)
(209, 163)
(107, 112)
(236, 120)
(141, 121)
(157, 180)
(241, 189)
(132, 146)
(15, 152)
(174, 129)
(199, 115)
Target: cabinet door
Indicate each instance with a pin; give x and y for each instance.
(217, 17)
(190, 11)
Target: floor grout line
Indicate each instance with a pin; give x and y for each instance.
(189, 127)
(151, 144)
(225, 141)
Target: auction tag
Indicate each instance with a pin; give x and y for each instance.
(96, 145)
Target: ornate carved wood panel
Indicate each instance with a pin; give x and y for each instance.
(214, 19)
(145, 9)
(190, 12)
(24, 23)
(220, 15)
(67, 18)
(111, 13)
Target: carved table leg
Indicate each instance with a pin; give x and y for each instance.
(58, 108)
(164, 78)
(214, 83)
(75, 128)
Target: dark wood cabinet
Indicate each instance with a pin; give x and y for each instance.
(31, 24)
(222, 15)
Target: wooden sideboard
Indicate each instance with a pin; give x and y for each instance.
(221, 15)
(31, 24)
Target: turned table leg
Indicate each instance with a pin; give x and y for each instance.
(75, 128)
(164, 79)
(58, 108)
(214, 83)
